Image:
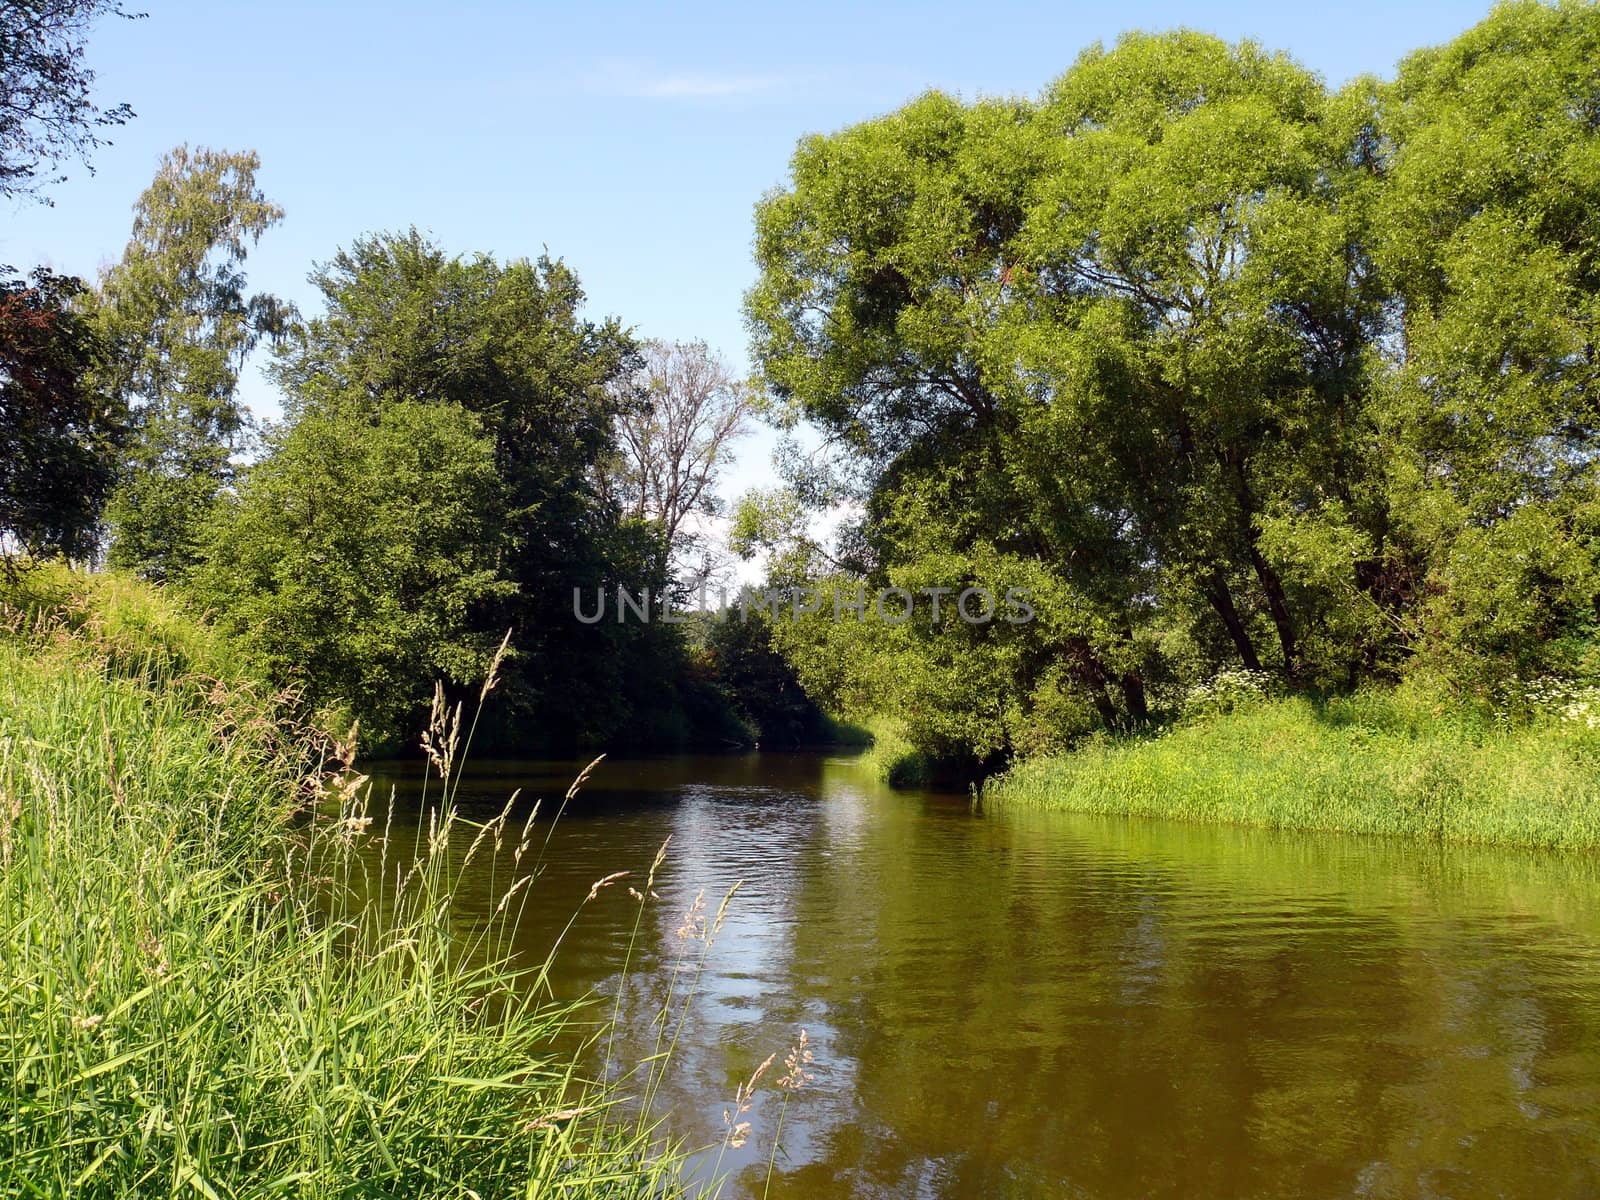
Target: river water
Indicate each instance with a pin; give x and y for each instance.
(1051, 1005)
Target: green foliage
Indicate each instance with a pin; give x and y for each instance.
(186, 1006)
(439, 483)
(1491, 235)
(501, 346)
(355, 557)
(133, 628)
(1233, 370)
(177, 324)
(942, 684)
(761, 684)
(772, 522)
(49, 113)
(58, 439)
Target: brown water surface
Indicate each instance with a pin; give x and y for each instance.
(1028, 1004)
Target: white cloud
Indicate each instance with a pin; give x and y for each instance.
(693, 86)
(644, 81)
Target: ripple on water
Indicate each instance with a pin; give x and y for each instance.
(1034, 1004)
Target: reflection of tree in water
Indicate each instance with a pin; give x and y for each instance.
(1059, 1006)
(1051, 1005)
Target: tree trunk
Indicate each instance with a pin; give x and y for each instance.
(1277, 600)
(1216, 591)
(1133, 696)
(1278, 606)
(1132, 685)
(1091, 671)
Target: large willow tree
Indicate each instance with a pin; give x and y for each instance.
(1233, 369)
(1489, 235)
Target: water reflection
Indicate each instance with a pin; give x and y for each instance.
(1050, 1005)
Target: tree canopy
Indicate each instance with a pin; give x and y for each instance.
(678, 420)
(178, 322)
(58, 436)
(441, 481)
(1234, 368)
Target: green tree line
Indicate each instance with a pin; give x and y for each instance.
(461, 450)
(1227, 368)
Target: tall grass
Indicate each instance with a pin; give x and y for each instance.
(203, 989)
(1376, 763)
(133, 628)
(892, 758)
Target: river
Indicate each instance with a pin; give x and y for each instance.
(1050, 1005)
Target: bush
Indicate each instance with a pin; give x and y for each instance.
(1229, 691)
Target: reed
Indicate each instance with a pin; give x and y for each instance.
(891, 756)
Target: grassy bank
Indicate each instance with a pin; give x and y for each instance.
(892, 758)
(1376, 763)
(179, 1013)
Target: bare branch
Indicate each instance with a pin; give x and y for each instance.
(681, 415)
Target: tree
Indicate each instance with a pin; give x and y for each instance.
(1200, 302)
(1490, 237)
(763, 685)
(353, 560)
(442, 480)
(46, 113)
(178, 324)
(58, 438)
(504, 343)
(1106, 334)
(1229, 366)
(679, 418)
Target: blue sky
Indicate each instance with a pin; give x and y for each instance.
(630, 139)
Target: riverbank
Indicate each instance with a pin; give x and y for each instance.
(180, 1013)
(1373, 763)
(891, 757)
